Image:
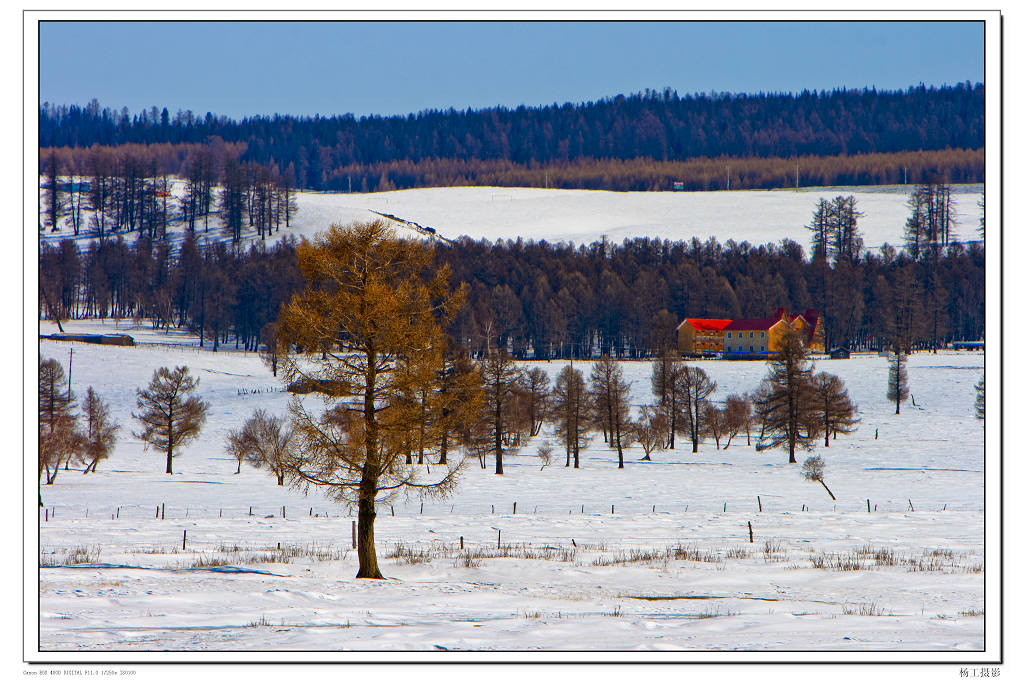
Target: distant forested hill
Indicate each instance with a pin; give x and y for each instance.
(642, 141)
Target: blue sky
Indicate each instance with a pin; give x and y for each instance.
(304, 68)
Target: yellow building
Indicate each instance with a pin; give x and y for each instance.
(748, 335)
(701, 335)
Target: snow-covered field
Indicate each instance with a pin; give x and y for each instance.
(584, 216)
(671, 568)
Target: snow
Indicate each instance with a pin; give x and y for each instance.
(585, 216)
(670, 571)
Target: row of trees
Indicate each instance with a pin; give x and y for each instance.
(170, 415)
(556, 300)
(66, 436)
(216, 292)
(655, 125)
(131, 188)
(587, 173)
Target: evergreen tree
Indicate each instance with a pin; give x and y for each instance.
(369, 322)
(501, 379)
(171, 415)
(785, 400)
(898, 387)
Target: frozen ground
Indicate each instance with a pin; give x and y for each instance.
(584, 216)
(672, 568)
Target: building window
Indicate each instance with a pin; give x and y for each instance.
(762, 348)
(762, 335)
(730, 335)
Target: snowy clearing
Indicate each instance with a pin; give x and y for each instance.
(585, 216)
(671, 568)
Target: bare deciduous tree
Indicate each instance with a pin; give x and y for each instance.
(571, 412)
(737, 415)
(694, 388)
(814, 470)
(610, 395)
(713, 419)
(264, 440)
(537, 390)
(100, 431)
(59, 438)
(979, 399)
(834, 411)
(651, 430)
(665, 385)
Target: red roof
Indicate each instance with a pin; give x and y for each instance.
(752, 324)
(707, 323)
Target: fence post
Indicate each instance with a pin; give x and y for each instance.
(513, 507)
(759, 504)
(499, 539)
(184, 535)
(353, 533)
(869, 506)
(461, 543)
(163, 510)
(751, 530)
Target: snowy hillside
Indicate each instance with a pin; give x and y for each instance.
(582, 216)
(653, 557)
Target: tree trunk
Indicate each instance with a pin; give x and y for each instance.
(365, 548)
(498, 469)
(618, 444)
(827, 489)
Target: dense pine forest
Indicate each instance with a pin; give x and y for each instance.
(558, 300)
(645, 141)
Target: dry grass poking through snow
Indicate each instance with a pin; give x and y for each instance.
(70, 556)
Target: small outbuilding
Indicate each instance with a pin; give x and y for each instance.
(839, 353)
